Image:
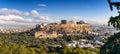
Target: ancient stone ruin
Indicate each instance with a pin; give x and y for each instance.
(65, 27)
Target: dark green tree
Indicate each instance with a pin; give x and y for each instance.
(112, 46)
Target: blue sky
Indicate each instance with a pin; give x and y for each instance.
(55, 10)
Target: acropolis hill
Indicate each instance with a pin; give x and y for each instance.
(65, 27)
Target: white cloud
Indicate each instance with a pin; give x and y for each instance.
(26, 14)
(42, 5)
(34, 13)
(9, 16)
(91, 21)
(5, 11)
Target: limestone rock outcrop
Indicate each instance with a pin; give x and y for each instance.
(54, 30)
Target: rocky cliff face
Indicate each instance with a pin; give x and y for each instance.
(54, 30)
